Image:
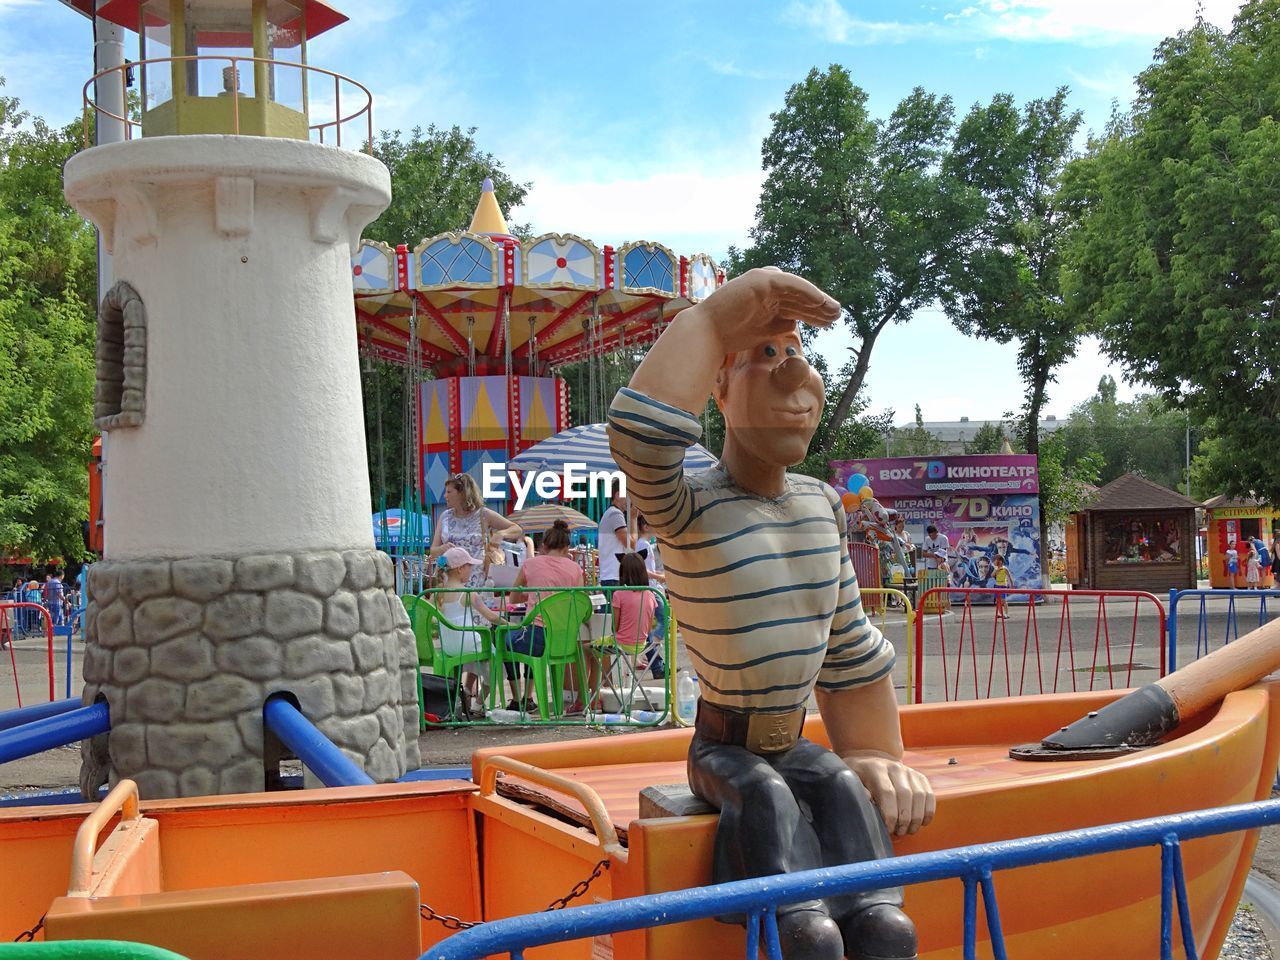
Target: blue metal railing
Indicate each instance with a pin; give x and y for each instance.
(24, 715)
(70, 726)
(313, 748)
(1231, 627)
(975, 866)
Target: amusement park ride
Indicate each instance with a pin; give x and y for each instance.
(241, 611)
(492, 317)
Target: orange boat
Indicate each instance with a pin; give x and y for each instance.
(341, 872)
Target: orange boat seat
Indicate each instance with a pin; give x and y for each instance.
(372, 916)
(117, 893)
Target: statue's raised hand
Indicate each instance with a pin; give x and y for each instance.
(765, 303)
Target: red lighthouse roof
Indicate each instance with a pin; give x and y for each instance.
(319, 18)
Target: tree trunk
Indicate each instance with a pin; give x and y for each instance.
(1031, 432)
(841, 412)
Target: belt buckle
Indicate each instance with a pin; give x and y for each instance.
(773, 732)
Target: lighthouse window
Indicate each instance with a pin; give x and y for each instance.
(120, 392)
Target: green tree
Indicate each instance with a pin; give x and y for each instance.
(915, 440)
(1006, 287)
(1065, 486)
(864, 208)
(435, 184)
(1178, 258)
(1145, 436)
(47, 297)
(989, 438)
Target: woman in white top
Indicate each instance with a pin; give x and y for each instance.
(467, 523)
(464, 610)
(652, 658)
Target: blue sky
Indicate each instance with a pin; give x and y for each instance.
(644, 120)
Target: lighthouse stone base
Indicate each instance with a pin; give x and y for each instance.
(186, 651)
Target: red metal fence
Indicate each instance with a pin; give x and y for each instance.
(866, 564)
(9, 633)
(975, 643)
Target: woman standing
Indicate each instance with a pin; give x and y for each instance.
(466, 522)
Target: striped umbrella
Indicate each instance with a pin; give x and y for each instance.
(589, 445)
(540, 519)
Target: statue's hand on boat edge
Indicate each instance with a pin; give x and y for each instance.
(862, 723)
(903, 794)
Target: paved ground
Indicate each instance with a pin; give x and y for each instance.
(1072, 635)
(1072, 653)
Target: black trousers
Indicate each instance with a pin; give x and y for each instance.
(780, 813)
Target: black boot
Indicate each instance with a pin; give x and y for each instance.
(880, 931)
(808, 935)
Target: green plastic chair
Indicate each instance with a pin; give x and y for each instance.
(622, 653)
(423, 640)
(420, 612)
(446, 665)
(563, 615)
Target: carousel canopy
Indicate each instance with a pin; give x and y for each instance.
(473, 296)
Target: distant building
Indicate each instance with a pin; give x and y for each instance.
(952, 435)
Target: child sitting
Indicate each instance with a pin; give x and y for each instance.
(464, 610)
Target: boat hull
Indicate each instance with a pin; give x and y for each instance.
(1109, 905)
(461, 845)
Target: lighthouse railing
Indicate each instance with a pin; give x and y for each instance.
(329, 130)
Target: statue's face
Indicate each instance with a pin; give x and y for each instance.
(772, 400)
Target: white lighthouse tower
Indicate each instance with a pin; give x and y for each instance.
(239, 559)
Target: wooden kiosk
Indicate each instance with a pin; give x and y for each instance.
(1133, 535)
(1229, 522)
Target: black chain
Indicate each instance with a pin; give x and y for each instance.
(580, 888)
(450, 922)
(445, 920)
(29, 935)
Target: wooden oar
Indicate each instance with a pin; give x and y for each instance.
(1140, 719)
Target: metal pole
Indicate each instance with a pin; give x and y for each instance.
(109, 92)
(313, 748)
(1188, 456)
(108, 52)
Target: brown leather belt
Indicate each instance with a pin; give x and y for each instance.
(757, 732)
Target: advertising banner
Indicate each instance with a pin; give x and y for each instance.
(911, 476)
(986, 506)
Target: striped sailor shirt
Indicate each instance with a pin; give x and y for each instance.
(763, 588)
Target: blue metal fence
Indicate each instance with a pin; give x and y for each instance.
(1249, 605)
(975, 866)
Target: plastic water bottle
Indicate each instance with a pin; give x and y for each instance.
(510, 716)
(686, 697)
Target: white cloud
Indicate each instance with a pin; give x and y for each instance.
(834, 23)
(1087, 21)
(1113, 83)
(1079, 21)
(685, 207)
(729, 68)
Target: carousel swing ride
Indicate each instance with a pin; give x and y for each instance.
(482, 324)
